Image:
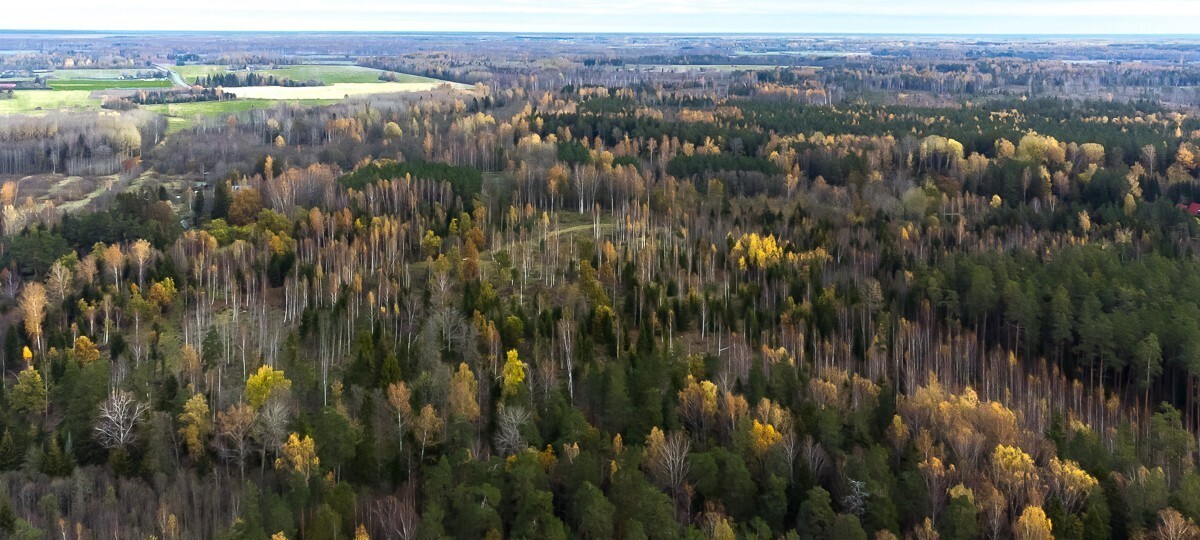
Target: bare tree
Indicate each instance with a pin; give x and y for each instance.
(398, 516)
(59, 280)
(270, 427)
(666, 457)
(119, 415)
(509, 439)
(234, 427)
(566, 334)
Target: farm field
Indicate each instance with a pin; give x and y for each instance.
(181, 116)
(107, 84)
(337, 91)
(34, 101)
(98, 73)
(327, 73)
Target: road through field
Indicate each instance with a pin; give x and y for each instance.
(175, 78)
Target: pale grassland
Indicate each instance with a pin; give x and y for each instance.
(98, 73)
(41, 101)
(107, 84)
(337, 91)
(181, 116)
(326, 73)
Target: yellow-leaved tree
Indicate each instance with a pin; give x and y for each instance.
(1014, 473)
(263, 383)
(463, 389)
(514, 374)
(299, 455)
(85, 352)
(763, 437)
(195, 425)
(1033, 525)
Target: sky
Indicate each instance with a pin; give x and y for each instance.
(668, 16)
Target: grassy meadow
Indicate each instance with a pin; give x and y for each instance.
(327, 73)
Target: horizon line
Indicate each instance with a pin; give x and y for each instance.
(609, 32)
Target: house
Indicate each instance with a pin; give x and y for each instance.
(1192, 209)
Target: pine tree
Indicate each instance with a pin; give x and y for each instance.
(11, 456)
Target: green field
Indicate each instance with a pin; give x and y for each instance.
(34, 101)
(98, 73)
(181, 116)
(327, 73)
(107, 84)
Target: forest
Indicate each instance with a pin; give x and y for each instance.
(575, 301)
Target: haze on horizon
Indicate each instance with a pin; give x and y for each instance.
(668, 16)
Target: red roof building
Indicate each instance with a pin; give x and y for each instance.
(1191, 209)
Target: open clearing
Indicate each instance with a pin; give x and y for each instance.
(124, 73)
(181, 116)
(106, 84)
(72, 90)
(326, 73)
(337, 91)
(33, 101)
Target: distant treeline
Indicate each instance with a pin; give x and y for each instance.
(251, 79)
(603, 62)
(458, 74)
(180, 96)
(162, 97)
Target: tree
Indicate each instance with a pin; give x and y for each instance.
(959, 521)
(509, 438)
(119, 415)
(427, 429)
(270, 427)
(463, 389)
(33, 309)
(85, 352)
(398, 516)
(698, 406)
(1147, 363)
(11, 456)
(1014, 472)
(666, 457)
(514, 374)
(816, 517)
(264, 383)
(221, 200)
(195, 425)
(247, 203)
(29, 395)
(300, 456)
(1173, 526)
(1033, 525)
(593, 512)
(114, 259)
(336, 438)
(1070, 483)
(233, 431)
(58, 280)
(140, 252)
(400, 401)
(763, 437)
